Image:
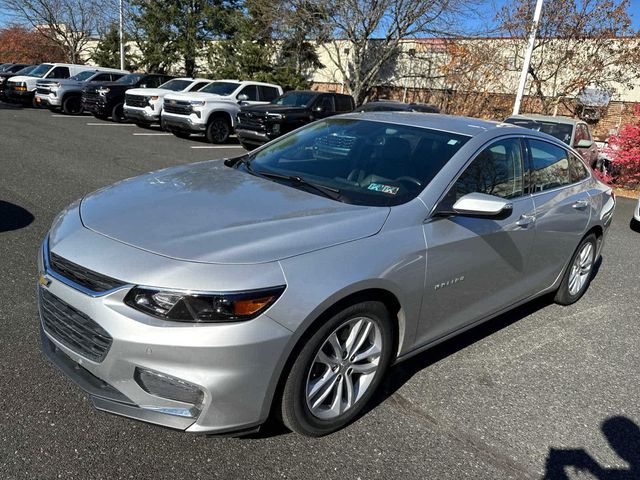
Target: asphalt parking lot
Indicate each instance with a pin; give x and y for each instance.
(531, 394)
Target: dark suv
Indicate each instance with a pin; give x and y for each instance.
(258, 124)
(106, 99)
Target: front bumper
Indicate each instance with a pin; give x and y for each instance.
(18, 95)
(50, 100)
(233, 364)
(253, 137)
(141, 115)
(182, 123)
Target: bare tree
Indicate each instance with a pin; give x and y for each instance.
(363, 38)
(580, 44)
(67, 23)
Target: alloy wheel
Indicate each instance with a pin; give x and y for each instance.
(581, 269)
(344, 368)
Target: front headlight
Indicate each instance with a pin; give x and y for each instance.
(54, 86)
(152, 100)
(197, 103)
(275, 116)
(103, 91)
(202, 307)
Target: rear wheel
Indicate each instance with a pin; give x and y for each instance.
(338, 369)
(117, 113)
(578, 276)
(218, 130)
(72, 105)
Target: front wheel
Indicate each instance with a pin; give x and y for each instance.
(578, 276)
(338, 369)
(117, 113)
(72, 105)
(218, 130)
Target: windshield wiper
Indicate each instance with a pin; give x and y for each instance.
(330, 192)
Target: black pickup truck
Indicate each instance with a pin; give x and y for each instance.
(106, 99)
(258, 124)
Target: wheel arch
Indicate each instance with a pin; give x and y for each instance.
(220, 113)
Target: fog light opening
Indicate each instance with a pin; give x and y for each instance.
(165, 386)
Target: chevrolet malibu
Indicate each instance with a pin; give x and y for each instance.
(285, 282)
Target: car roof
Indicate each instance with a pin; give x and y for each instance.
(547, 118)
(436, 121)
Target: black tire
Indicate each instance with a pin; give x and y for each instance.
(181, 134)
(295, 412)
(72, 105)
(218, 130)
(117, 113)
(563, 294)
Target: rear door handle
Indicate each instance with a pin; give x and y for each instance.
(526, 220)
(580, 204)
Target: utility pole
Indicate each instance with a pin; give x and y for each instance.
(527, 57)
(121, 40)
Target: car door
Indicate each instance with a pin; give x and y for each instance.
(251, 91)
(562, 209)
(477, 266)
(323, 107)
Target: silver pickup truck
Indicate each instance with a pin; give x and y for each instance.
(66, 95)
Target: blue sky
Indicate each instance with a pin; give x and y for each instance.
(488, 14)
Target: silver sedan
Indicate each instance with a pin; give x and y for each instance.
(206, 297)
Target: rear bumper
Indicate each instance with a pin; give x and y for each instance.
(182, 123)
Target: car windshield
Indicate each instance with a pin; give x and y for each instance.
(562, 131)
(5, 66)
(82, 76)
(26, 70)
(40, 70)
(221, 88)
(366, 162)
(130, 79)
(176, 85)
(295, 99)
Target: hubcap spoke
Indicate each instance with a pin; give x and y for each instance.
(322, 389)
(348, 384)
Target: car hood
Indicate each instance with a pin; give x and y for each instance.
(93, 86)
(149, 92)
(211, 213)
(23, 78)
(198, 96)
(269, 108)
(65, 82)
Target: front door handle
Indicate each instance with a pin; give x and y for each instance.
(526, 220)
(580, 204)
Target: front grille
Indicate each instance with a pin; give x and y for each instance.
(90, 98)
(250, 121)
(43, 90)
(72, 328)
(178, 107)
(82, 276)
(135, 101)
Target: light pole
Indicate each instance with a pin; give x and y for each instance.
(527, 57)
(121, 40)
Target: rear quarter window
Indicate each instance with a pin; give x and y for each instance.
(344, 103)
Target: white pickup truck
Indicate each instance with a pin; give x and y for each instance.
(213, 109)
(143, 106)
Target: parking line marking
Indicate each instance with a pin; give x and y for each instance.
(153, 134)
(70, 116)
(219, 146)
(112, 124)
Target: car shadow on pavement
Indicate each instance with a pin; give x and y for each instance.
(634, 225)
(10, 106)
(13, 217)
(623, 436)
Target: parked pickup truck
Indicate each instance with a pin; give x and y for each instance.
(259, 124)
(143, 106)
(7, 74)
(106, 99)
(574, 133)
(214, 108)
(22, 88)
(66, 95)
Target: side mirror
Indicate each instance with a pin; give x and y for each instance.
(143, 85)
(584, 143)
(482, 205)
(242, 98)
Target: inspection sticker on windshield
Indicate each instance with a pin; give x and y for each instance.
(378, 187)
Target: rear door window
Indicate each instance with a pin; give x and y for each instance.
(267, 94)
(549, 166)
(577, 170)
(343, 103)
(103, 77)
